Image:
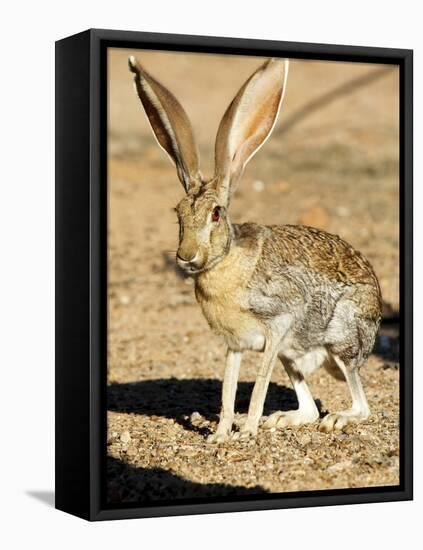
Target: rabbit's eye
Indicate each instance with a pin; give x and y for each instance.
(216, 214)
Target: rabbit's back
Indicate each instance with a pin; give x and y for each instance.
(311, 249)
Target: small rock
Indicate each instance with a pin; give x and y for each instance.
(304, 440)
(196, 417)
(112, 437)
(124, 300)
(258, 186)
(132, 452)
(125, 437)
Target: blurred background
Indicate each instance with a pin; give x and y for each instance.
(331, 162)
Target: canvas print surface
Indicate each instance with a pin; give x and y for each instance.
(276, 277)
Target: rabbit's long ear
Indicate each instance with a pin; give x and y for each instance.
(170, 124)
(248, 122)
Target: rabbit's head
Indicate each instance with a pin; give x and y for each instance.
(205, 233)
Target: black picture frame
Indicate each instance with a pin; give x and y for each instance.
(81, 270)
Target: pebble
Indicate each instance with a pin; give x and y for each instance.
(132, 451)
(124, 300)
(304, 440)
(125, 437)
(258, 186)
(196, 417)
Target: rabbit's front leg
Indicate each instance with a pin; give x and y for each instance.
(255, 410)
(230, 382)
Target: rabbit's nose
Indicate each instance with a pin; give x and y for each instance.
(186, 258)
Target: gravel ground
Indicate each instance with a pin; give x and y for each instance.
(337, 168)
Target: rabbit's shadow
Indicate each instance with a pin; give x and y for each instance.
(130, 484)
(179, 398)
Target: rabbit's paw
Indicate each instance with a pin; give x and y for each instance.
(338, 421)
(246, 433)
(284, 419)
(218, 438)
(221, 435)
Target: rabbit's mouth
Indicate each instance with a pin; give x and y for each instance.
(191, 266)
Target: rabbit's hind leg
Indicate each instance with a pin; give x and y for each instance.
(359, 409)
(307, 411)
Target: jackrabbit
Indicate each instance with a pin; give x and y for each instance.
(291, 292)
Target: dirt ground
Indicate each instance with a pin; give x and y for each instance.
(332, 162)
